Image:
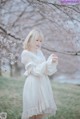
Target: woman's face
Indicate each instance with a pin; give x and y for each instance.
(36, 44)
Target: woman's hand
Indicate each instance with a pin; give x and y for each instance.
(54, 58)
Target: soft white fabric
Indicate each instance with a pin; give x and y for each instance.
(37, 91)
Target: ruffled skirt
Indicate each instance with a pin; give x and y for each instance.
(38, 97)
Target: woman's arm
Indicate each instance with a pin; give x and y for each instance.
(46, 67)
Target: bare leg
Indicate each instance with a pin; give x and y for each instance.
(39, 116)
(33, 117)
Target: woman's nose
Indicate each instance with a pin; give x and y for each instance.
(39, 42)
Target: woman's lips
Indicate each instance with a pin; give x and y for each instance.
(38, 46)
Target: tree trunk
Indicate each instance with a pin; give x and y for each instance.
(0, 68)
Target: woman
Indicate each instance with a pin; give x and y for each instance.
(38, 101)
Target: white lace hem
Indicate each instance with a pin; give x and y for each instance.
(36, 111)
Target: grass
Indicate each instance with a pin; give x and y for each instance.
(67, 98)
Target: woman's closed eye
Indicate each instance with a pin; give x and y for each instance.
(40, 40)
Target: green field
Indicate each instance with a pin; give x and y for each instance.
(67, 98)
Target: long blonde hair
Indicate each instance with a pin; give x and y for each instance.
(35, 33)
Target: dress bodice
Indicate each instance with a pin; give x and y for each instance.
(36, 57)
(37, 64)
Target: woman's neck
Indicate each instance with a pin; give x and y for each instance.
(33, 50)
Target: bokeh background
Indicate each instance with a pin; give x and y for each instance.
(60, 24)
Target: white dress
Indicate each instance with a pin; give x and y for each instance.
(37, 91)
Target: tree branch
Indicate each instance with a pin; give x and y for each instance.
(66, 53)
(3, 30)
